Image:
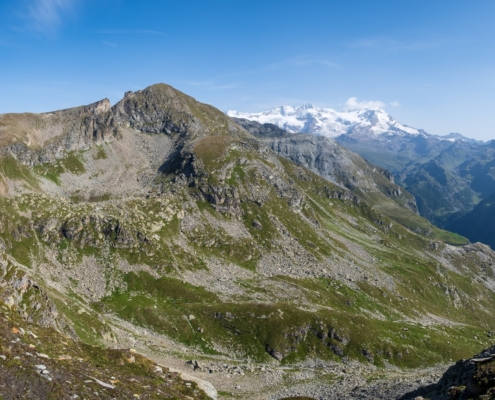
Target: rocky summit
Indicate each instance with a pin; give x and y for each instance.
(172, 252)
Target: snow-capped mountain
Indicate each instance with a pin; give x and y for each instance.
(329, 122)
(446, 174)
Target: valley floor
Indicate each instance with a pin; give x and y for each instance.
(230, 378)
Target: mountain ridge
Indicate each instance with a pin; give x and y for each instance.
(185, 237)
(332, 123)
(448, 175)
(327, 158)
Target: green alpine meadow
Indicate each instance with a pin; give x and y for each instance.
(158, 248)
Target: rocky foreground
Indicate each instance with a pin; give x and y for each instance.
(467, 379)
(40, 363)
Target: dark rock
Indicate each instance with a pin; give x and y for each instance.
(368, 355)
(261, 130)
(274, 353)
(338, 350)
(339, 336)
(467, 379)
(257, 225)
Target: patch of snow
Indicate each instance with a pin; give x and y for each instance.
(329, 122)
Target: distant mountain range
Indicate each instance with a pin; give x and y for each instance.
(325, 157)
(331, 123)
(448, 175)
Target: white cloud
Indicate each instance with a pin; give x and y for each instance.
(353, 104)
(395, 103)
(46, 15)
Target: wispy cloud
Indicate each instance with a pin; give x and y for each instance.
(130, 32)
(211, 84)
(353, 104)
(46, 15)
(395, 103)
(392, 45)
(109, 43)
(302, 62)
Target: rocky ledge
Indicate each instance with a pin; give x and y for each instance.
(467, 379)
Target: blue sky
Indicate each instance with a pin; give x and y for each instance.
(433, 60)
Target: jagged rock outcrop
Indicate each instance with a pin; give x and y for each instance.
(466, 380)
(331, 161)
(21, 294)
(56, 133)
(163, 109)
(42, 138)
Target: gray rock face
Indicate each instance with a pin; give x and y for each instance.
(156, 109)
(261, 130)
(323, 156)
(331, 161)
(163, 109)
(151, 111)
(59, 132)
(327, 158)
(22, 294)
(467, 379)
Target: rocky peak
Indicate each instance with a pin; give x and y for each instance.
(100, 107)
(156, 109)
(162, 109)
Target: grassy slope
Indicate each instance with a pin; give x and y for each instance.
(73, 367)
(371, 318)
(321, 317)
